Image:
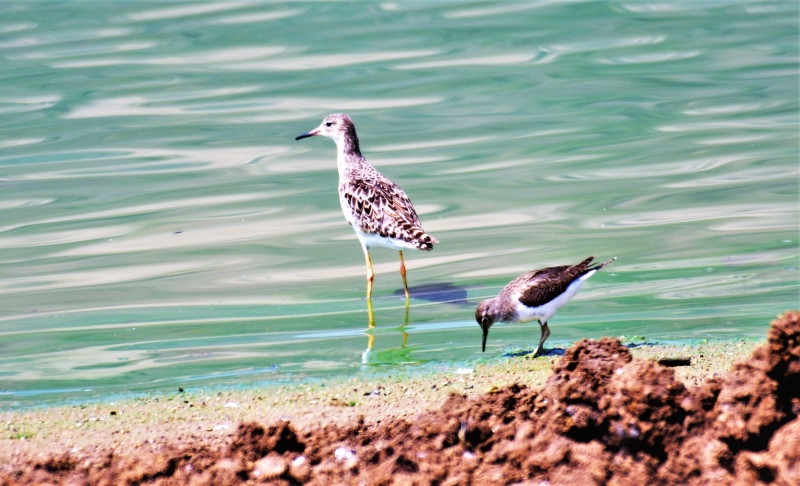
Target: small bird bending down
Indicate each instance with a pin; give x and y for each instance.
(536, 295)
(378, 210)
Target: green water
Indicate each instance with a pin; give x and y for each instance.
(160, 227)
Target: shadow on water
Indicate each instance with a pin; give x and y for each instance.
(526, 352)
(639, 345)
(438, 292)
(560, 351)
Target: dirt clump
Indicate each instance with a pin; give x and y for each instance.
(601, 418)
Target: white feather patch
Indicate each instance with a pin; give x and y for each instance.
(545, 311)
(371, 240)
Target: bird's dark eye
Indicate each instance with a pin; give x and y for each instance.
(329, 124)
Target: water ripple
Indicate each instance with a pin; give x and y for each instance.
(62, 237)
(186, 11)
(274, 109)
(332, 273)
(659, 170)
(542, 213)
(737, 139)
(267, 226)
(753, 123)
(104, 276)
(84, 50)
(138, 209)
(199, 303)
(606, 44)
(761, 258)
(17, 27)
(682, 288)
(537, 161)
(662, 7)
(64, 37)
(254, 17)
(494, 60)
(732, 108)
(214, 56)
(511, 271)
(749, 176)
(429, 144)
(139, 162)
(24, 104)
(19, 142)
(320, 164)
(781, 215)
(650, 58)
(323, 61)
(503, 9)
(21, 203)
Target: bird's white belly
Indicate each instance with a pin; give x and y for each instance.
(546, 311)
(369, 240)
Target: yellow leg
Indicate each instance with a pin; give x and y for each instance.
(403, 273)
(370, 273)
(371, 315)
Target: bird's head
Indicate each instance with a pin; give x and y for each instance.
(485, 318)
(338, 127)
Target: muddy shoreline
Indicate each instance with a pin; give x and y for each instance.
(597, 415)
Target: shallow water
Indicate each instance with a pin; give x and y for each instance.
(160, 227)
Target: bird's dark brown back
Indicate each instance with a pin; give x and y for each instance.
(542, 286)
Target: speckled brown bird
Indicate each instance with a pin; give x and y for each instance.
(378, 210)
(536, 295)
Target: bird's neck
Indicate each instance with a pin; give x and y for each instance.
(501, 309)
(348, 152)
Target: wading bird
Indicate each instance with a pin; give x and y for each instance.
(536, 295)
(378, 210)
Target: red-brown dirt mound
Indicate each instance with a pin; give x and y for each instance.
(602, 418)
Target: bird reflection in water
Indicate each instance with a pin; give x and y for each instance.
(386, 356)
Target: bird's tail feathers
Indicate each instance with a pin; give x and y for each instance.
(598, 266)
(425, 241)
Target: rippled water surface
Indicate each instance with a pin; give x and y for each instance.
(160, 227)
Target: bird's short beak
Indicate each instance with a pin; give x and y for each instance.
(485, 335)
(309, 134)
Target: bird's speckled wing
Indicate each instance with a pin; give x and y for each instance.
(378, 206)
(541, 286)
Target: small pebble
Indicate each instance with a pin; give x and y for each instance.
(270, 467)
(342, 453)
(300, 468)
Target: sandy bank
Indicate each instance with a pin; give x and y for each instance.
(99, 441)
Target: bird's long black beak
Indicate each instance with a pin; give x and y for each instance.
(485, 335)
(306, 135)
